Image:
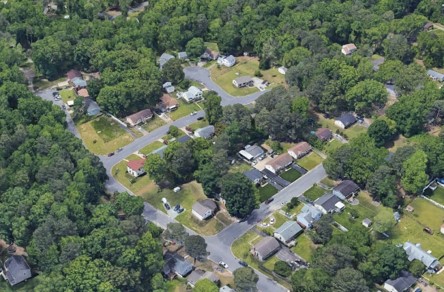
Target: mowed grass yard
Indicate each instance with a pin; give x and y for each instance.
(350, 133)
(103, 135)
(199, 124)
(332, 146)
(183, 110)
(314, 192)
(291, 175)
(245, 66)
(151, 147)
(304, 247)
(438, 195)
(265, 192)
(153, 124)
(310, 161)
(67, 94)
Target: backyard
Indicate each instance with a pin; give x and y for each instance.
(304, 247)
(184, 109)
(310, 161)
(103, 135)
(349, 133)
(291, 175)
(438, 195)
(245, 66)
(266, 192)
(314, 192)
(332, 146)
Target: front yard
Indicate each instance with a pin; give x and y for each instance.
(151, 147)
(314, 192)
(266, 192)
(198, 124)
(183, 110)
(310, 161)
(291, 175)
(103, 135)
(153, 124)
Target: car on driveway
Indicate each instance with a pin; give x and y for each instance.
(242, 263)
(222, 264)
(167, 206)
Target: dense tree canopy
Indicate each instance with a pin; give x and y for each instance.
(238, 193)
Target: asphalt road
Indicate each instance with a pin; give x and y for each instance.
(219, 246)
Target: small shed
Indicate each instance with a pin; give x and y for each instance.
(367, 222)
(409, 208)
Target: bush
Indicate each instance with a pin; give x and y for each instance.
(258, 73)
(281, 268)
(416, 268)
(276, 146)
(293, 203)
(174, 131)
(354, 214)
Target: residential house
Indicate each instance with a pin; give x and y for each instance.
(243, 81)
(194, 277)
(209, 55)
(345, 120)
(83, 92)
(167, 103)
(282, 70)
(182, 55)
(279, 163)
(403, 283)
(70, 103)
(324, 134)
(183, 139)
(348, 49)
(204, 209)
(435, 75)
(168, 87)
(346, 189)
(78, 83)
(135, 167)
(329, 203)
(266, 248)
(175, 265)
(16, 270)
(308, 215)
(299, 150)
(415, 252)
(160, 151)
(205, 132)
(252, 153)
(255, 176)
(212, 277)
(287, 232)
(71, 74)
(226, 61)
(139, 117)
(367, 223)
(192, 94)
(92, 108)
(164, 58)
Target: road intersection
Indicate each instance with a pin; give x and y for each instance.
(219, 245)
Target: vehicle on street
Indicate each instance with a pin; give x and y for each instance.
(268, 201)
(120, 149)
(55, 93)
(63, 107)
(110, 154)
(200, 118)
(193, 113)
(222, 264)
(242, 263)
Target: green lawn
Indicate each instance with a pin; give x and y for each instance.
(354, 131)
(304, 247)
(239, 167)
(314, 192)
(310, 161)
(153, 124)
(212, 46)
(328, 182)
(266, 192)
(184, 109)
(332, 146)
(291, 175)
(151, 147)
(241, 248)
(350, 133)
(67, 94)
(438, 195)
(102, 135)
(199, 124)
(279, 219)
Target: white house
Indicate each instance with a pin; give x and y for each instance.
(345, 120)
(348, 49)
(299, 150)
(204, 209)
(282, 70)
(226, 61)
(135, 167)
(192, 94)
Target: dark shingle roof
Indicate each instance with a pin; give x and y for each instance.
(18, 270)
(347, 119)
(404, 282)
(254, 174)
(328, 202)
(346, 188)
(266, 246)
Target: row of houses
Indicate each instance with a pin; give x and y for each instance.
(284, 160)
(75, 79)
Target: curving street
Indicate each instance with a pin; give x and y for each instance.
(219, 246)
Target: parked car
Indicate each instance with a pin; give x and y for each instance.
(242, 263)
(55, 93)
(222, 264)
(428, 230)
(164, 200)
(167, 206)
(200, 118)
(176, 208)
(63, 107)
(268, 201)
(180, 210)
(193, 113)
(110, 154)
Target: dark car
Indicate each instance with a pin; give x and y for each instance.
(200, 118)
(268, 201)
(180, 210)
(176, 208)
(167, 206)
(110, 154)
(55, 93)
(242, 263)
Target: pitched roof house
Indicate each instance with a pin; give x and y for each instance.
(135, 167)
(328, 203)
(71, 74)
(167, 103)
(252, 152)
(139, 117)
(282, 70)
(164, 58)
(324, 134)
(83, 92)
(345, 120)
(205, 132)
(345, 189)
(400, 284)
(348, 49)
(226, 61)
(209, 55)
(168, 87)
(435, 75)
(266, 248)
(254, 175)
(78, 82)
(243, 81)
(415, 252)
(192, 94)
(182, 55)
(92, 108)
(278, 163)
(204, 209)
(16, 270)
(308, 215)
(176, 265)
(299, 150)
(287, 232)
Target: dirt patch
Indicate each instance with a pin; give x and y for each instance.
(18, 249)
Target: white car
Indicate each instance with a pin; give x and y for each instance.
(222, 264)
(193, 113)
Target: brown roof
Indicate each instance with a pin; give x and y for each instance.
(281, 161)
(323, 134)
(168, 101)
(71, 74)
(83, 92)
(136, 164)
(146, 113)
(300, 148)
(266, 246)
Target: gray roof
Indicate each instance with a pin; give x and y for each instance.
(194, 90)
(267, 246)
(18, 270)
(404, 282)
(289, 230)
(231, 59)
(347, 119)
(93, 108)
(416, 252)
(164, 58)
(174, 263)
(367, 221)
(167, 84)
(182, 55)
(254, 175)
(435, 74)
(328, 202)
(205, 132)
(160, 150)
(309, 214)
(252, 151)
(243, 79)
(183, 139)
(346, 188)
(203, 206)
(79, 82)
